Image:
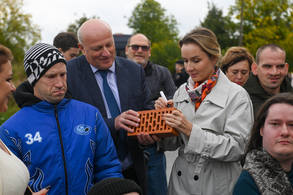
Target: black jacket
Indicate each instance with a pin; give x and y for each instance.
(258, 95)
(158, 79)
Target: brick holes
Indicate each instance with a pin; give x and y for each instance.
(152, 123)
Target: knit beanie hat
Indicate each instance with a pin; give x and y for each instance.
(38, 59)
(114, 186)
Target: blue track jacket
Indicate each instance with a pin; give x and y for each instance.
(67, 146)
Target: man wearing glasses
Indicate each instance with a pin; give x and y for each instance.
(158, 79)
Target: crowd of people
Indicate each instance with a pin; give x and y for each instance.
(234, 115)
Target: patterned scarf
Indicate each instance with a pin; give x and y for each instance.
(267, 173)
(201, 90)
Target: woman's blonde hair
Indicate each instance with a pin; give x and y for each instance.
(206, 39)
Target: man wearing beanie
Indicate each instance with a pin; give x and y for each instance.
(64, 143)
(115, 186)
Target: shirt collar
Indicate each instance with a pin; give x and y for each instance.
(112, 68)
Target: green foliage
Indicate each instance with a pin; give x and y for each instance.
(75, 26)
(265, 21)
(223, 27)
(149, 18)
(18, 34)
(16, 29)
(288, 47)
(171, 53)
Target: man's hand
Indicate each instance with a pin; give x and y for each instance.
(128, 117)
(146, 139)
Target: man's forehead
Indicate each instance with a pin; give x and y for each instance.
(139, 39)
(272, 57)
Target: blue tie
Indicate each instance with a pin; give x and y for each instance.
(113, 107)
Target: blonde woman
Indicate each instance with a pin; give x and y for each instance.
(216, 116)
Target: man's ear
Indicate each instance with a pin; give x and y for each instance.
(286, 68)
(150, 51)
(81, 48)
(126, 50)
(254, 68)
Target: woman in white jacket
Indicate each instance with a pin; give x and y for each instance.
(215, 120)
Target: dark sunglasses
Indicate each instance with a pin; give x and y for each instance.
(136, 47)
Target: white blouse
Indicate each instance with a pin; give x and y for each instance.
(14, 176)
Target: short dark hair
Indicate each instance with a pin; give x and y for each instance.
(66, 40)
(272, 46)
(255, 139)
(5, 55)
(235, 55)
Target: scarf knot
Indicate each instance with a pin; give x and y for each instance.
(201, 90)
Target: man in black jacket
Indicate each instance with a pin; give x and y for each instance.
(268, 75)
(158, 79)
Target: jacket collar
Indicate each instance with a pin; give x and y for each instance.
(253, 86)
(47, 107)
(218, 95)
(148, 69)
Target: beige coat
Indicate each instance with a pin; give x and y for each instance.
(208, 162)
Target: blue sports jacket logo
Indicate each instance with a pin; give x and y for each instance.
(82, 129)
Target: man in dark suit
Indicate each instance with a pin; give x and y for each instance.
(115, 86)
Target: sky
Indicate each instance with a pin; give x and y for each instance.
(55, 16)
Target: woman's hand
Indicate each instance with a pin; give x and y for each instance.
(43, 191)
(161, 103)
(179, 122)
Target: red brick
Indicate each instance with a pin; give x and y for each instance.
(151, 122)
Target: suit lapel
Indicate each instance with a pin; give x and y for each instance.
(88, 78)
(122, 76)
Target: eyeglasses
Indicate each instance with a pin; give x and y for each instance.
(136, 47)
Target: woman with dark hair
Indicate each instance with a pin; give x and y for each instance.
(236, 64)
(269, 153)
(14, 176)
(216, 116)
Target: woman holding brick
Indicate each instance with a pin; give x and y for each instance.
(216, 116)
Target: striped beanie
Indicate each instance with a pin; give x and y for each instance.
(38, 59)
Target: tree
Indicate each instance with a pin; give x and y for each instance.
(75, 26)
(265, 21)
(149, 18)
(18, 34)
(222, 26)
(166, 53)
(16, 29)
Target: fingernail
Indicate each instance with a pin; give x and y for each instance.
(48, 187)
